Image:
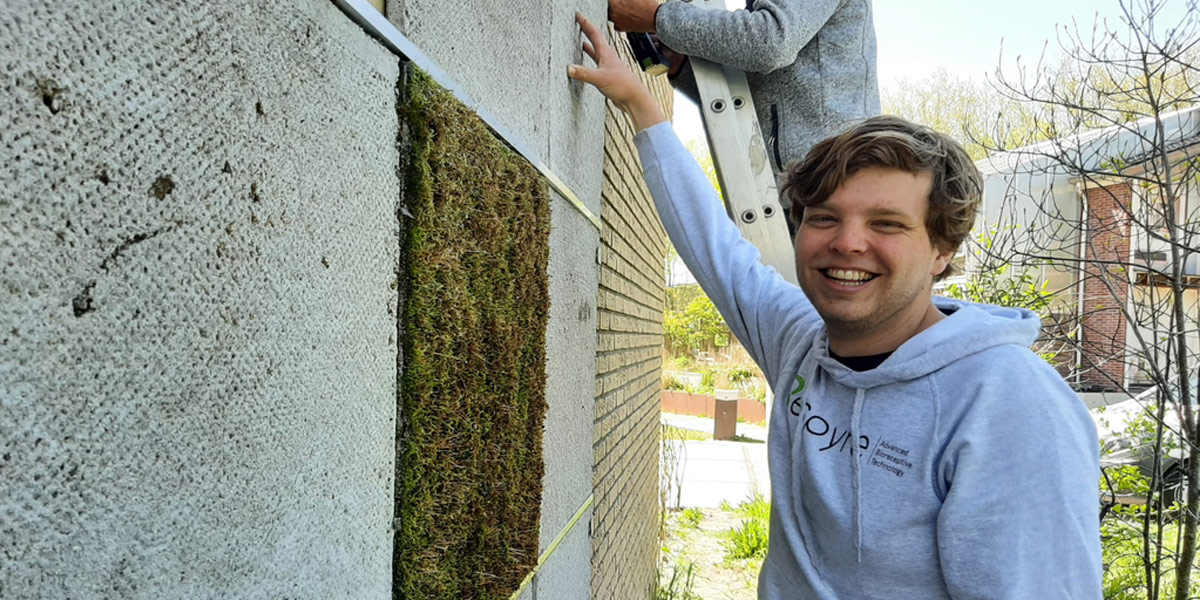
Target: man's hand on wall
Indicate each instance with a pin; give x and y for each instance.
(614, 79)
(632, 15)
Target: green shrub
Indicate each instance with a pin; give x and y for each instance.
(670, 382)
(695, 328)
(758, 392)
(740, 374)
(708, 381)
(691, 517)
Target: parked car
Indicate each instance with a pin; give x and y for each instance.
(1127, 436)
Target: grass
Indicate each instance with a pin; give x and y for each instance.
(694, 435)
(679, 433)
(472, 389)
(748, 541)
(696, 538)
(1124, 570)
(690, 518)
(680, 583)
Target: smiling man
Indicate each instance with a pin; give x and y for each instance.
(918, 449)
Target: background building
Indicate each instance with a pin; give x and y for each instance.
(1080, 214)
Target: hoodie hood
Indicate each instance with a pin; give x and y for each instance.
(967, 329)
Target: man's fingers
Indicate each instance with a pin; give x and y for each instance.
(600, 49)
(591, 31)
(580, 73)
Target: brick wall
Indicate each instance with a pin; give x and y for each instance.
(1105, 288)
(625, 543)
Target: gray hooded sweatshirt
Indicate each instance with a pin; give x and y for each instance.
(961, 467)
(810, 63)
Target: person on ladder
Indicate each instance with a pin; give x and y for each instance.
(810, 63)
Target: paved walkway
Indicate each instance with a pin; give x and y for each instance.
(715, 471)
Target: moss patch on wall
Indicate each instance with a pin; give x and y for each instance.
(472, 388)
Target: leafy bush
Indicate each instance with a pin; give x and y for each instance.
(758, 392)
(740, 374)
(694, 328)
(670, 382)
(683, 362)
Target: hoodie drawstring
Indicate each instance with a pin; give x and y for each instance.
(856, 470)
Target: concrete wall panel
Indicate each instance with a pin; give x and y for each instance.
(576, 109)
(495, 50)
(198, 245)
(570, 368)
(563, 577)
(512, 58)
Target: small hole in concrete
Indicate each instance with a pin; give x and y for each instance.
(51, 95)
(82, 304)
(162, 187)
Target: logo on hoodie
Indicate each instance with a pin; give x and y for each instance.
(886, 456)
(813, 424)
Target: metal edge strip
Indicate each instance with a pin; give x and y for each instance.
(553, 546)
(374, 23)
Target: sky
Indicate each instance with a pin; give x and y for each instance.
(916, 37)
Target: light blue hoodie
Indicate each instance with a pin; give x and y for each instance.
(961, 467)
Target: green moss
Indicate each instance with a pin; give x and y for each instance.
(472, 389)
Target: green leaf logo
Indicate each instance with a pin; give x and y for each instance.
(799, 385)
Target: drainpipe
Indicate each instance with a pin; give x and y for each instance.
(1081, 273)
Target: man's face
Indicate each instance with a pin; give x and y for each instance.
(864, 257)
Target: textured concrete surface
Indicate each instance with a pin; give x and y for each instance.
(198, 244)
(562, 577)
(716, 472)
(570, 389)
(511, 57)
(496, 51)
(576, 110)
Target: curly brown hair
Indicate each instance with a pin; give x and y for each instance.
(896, 143)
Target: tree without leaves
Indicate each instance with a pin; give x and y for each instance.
(965, 109)
(1105, 203)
